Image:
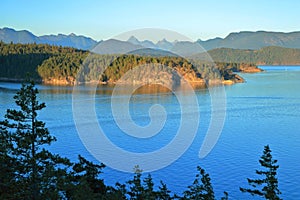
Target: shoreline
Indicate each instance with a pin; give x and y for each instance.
(18, 80)
(68, 81)
(195, 84)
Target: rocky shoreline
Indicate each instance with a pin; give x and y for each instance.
(245, 68)
(191, 78)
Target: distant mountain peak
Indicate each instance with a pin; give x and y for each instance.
(8, 35)
(113, 46)
(164, 40)
(72, 35)
(164, 44)
(236, 40)
(254, 40)
(133, 40)
(6, 28)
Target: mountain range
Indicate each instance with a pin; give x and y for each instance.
(8, 35)
(254, 40)
(241, 40)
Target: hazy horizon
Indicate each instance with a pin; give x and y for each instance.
(196, 19)
(142, 37)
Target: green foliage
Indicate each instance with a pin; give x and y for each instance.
(16, 60)
(144, 189)
(164, 193)
(264, 56)
(46, 62)
(32, 170)
(61, 66)
(110, 68)
(7, 163)
(267, 186)
(219, 70)
(84, 181)
(201, 187)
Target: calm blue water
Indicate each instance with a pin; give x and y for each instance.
(264, 110)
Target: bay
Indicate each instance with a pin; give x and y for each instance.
(264, 110)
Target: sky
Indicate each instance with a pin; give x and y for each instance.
(195, 19)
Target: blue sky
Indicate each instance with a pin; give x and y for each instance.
(104, 19)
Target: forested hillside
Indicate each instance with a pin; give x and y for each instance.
(60, 65)
(264, 56)
(254, 40)
(8, 35)
(16, 60)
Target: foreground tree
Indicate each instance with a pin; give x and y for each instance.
(84, 181)
(145, 189)
(29, 171)
(267, 186)
(33, 172)
(7, 178)
(201, 188)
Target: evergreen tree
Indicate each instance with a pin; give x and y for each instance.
(33, 172)
(149, 192)
(137, 190)
(201, 188)
(7, 177)
(144, 189)
(116, 193)
(85, 182)
(164, 192)
(267, 186)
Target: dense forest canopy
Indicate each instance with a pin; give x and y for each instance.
(47, 63)
(265, 56)
(110, 68)
(16, 60)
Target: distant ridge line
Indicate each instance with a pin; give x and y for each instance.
(252, 40)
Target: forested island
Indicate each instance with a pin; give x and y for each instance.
(59, 65)
(272, 55)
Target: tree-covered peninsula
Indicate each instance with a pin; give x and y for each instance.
(60, 65)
